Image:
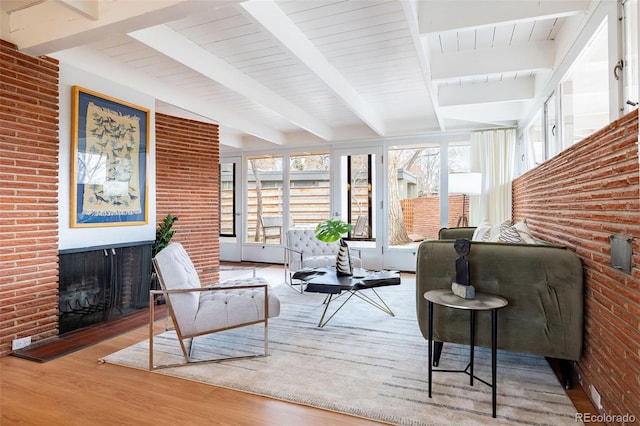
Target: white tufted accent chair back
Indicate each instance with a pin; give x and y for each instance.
(304, 250)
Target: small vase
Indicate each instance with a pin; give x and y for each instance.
(343, 260)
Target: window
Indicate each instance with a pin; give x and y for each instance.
(535, 141)
(632, 93)
(585, 91)
(309, 189)
(551, 137)
(264, 199)
(459, 156)
(227, 200)
(359, 195)
(413, 188)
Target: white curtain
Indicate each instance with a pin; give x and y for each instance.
(492, 154)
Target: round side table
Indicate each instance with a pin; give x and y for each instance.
(481, 302)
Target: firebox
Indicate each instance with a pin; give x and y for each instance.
(98, 284)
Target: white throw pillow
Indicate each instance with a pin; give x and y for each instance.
(525, 232)
(480, 231)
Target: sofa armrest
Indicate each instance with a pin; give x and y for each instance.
(455, 233)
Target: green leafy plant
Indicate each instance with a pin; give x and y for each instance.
(164, 233)
(332, 230)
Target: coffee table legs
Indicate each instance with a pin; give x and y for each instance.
(379, 303)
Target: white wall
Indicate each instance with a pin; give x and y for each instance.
(76, 238)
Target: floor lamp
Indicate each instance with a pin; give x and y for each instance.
(468, 183)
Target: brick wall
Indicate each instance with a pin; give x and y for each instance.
(422, 214)
(28, 191)
(187, 185)
(579, 199)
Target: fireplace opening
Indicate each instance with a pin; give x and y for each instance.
(102, 284)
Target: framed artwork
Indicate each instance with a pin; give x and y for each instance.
(110, 141)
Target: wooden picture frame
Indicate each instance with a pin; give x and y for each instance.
(110, 148)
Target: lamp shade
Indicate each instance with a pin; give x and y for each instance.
(465, 183)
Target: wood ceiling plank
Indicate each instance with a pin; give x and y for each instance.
(466, 40)
(304, 11)
(371, 15)
(379, 39)
(522, 33)
(483, 38)
(220, 17)
(357, 31)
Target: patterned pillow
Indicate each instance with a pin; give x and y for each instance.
(492, 233)
(509, 234)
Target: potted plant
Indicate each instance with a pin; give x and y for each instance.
(330, 231)
(164, 233)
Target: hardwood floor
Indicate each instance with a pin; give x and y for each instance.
(76, 390)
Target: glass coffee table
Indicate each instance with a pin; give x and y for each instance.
(326, 281)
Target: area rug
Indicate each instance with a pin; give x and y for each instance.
(368, 364)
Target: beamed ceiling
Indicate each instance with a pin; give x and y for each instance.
(307, 72)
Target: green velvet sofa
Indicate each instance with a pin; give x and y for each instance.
(543, 284)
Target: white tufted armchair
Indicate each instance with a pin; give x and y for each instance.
(197, 310)
(304, 250)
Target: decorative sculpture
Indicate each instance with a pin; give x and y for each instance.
(331, 230)
(462, 285)
(344, 266)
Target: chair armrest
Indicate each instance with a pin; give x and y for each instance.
(213, 287)
(229, 268)
(288, 253)
(293, 250)
(220, 286)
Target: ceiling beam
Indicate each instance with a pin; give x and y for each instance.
(532, 57)
(497, 113)
(436, 16)
(410, 9)
(88, 8)
(179, 48)
(495, 91)
(48, 27)
(93, 62)
(274, 21)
